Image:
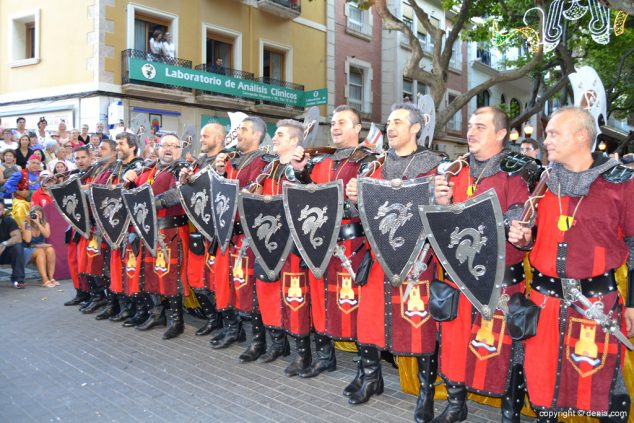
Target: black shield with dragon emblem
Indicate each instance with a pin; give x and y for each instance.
(72, 205)
(140, 205)
(224, 194)
(314, 215)
(388, 211)
(110, 213)
(264, 223)
(195, 198)
(468, 239)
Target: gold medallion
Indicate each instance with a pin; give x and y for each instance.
(565, 222)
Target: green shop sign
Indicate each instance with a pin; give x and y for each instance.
(162, 73)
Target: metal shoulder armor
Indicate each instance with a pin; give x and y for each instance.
(618, 174)
(362, 155)
(268, 158)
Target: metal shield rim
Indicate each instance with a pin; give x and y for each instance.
(114, 244)
(490, 194)
(247, 231)
(422, 236)
(151, 248)
(85, 232)
(224, 244)
(209, 237)
(318, 271)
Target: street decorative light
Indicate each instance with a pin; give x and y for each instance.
(528, 130)
(514, 135)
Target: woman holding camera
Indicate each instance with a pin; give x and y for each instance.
(36, 230)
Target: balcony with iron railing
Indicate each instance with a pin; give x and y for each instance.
(279, 83)
(218, 98)
(289, 9)
(146, 87)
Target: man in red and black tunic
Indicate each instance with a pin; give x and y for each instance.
(83, 162)
(166, 273)
(119, 294)
(91, 260)
(473, 355)
(285, 300)
(200, 269)
(585, 230)
(234, 279)
(334, 315)
(398, 324)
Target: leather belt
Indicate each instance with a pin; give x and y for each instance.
(237, 227)
(350, 231)
(172, 221)
(513, 274)
(591, 287)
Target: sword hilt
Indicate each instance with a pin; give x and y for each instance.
(340, 253)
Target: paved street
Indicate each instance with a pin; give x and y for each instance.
(59, 365)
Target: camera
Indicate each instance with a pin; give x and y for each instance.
(33, 216)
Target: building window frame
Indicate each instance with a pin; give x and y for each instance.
(236, 36)
(483, 99)
(134, 9)
(361, 28)
(366, 69)
(288, 57)
(454, 124)
(19, 35)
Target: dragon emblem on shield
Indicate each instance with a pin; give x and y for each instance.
(198, 204)
(267, 226)
(222, 205)
(393, 216)
(140, 212)
(469, 241)
(70, 203)
(109, 208)
(314, 218)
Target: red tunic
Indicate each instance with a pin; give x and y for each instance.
(165, 274)
(285, 303)
(93, 262)
(386, 322)
(235, 285)
(333, 314)
(581, 360)
(463, 357)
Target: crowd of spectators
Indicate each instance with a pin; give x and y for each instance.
(29, 160)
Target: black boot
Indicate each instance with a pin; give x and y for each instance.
(126, 309)
(258, 341)
(325, 358)
(371, 376)
(142, 304)
(356, 382)
(156, 315)
(427, 368)
(214, 320)
(80, 297)
(97, 298)
(513, 399)
(456, 410)
(619, 405)
(279, 347)
(302, 361)
(175, 323)
(112, 306)
(232, 331)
